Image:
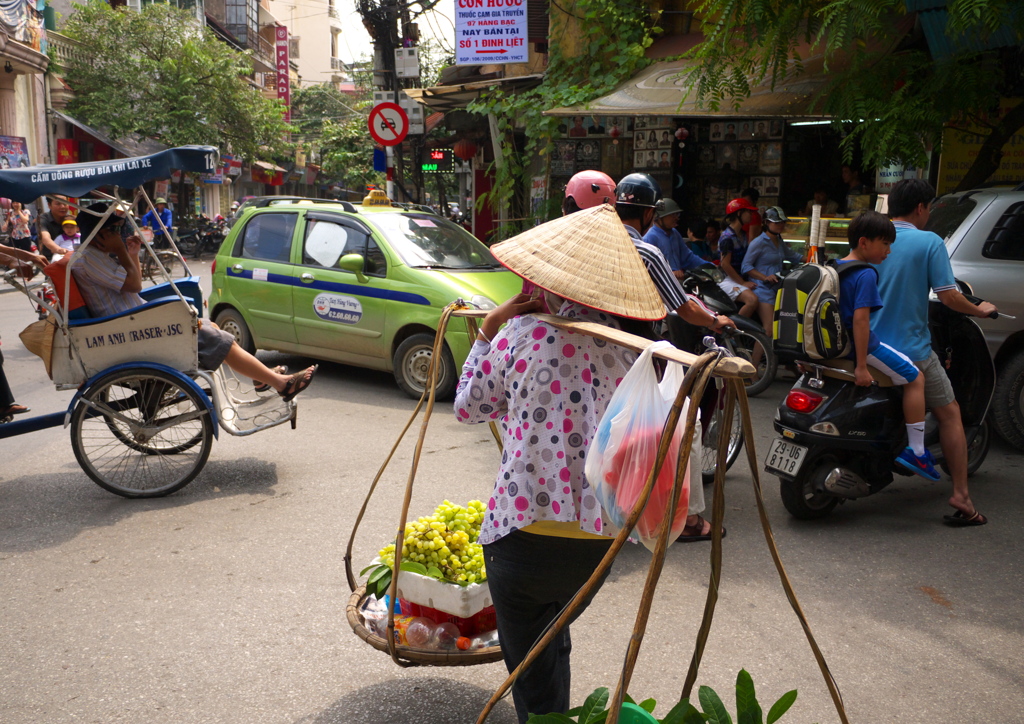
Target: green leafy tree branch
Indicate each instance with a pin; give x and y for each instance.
(156, 73)
(612, 38)
(890, 97)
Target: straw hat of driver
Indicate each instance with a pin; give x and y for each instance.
(586, 257)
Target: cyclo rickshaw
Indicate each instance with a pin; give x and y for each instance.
(144, 416)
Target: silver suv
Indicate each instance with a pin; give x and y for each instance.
(984, 234)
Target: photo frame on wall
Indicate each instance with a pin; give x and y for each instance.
(563, 159)
(775, 128)
(639, 140)
(771, 157)
(749, 155)
(639, 159)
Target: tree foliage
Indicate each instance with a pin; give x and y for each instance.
(890, 100)
(612, 38)
(156, 73)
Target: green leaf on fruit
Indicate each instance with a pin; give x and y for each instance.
(376, 575)
(435, 573)
(368, 568)
(414, 567)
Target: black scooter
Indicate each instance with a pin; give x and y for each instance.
(839, 441)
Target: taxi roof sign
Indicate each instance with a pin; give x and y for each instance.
(376, 197)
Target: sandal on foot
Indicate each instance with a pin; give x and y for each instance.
(961, 519)
(14, 409)
(297, 384)
(263, 386)
(694, 533)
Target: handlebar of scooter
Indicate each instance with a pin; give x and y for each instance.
(994, 315)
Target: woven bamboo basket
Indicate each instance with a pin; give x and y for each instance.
(421, 657)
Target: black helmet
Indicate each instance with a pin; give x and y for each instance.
(638, 189)
(775, 215)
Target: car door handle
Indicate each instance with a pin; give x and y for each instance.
(307, 277)
(237, 269)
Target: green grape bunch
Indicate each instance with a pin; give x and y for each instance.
(445, 542)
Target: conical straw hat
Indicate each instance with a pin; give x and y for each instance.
(586, 257)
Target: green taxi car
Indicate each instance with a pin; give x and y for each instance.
(364, 288)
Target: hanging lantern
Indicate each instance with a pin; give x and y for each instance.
(682, 133)
(465, 150)
(615, 133)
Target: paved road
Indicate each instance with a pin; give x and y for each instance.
(225, 602)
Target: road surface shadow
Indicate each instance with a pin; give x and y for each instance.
(44, 511)
(420, 699)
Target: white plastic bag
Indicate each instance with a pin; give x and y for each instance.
(626, 446)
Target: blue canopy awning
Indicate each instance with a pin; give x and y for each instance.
(78, 179)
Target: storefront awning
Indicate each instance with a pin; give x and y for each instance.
(132, 146)
(454, 97)
(659, 89)
(267, 166)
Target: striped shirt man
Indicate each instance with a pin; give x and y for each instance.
(100, 278)
(672, 295)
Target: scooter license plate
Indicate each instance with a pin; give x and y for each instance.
(785, 457)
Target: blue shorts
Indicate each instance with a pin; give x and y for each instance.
(896, 365)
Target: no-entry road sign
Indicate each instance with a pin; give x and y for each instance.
(389, 124)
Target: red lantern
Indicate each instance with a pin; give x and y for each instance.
(615, 132)
(682, 134)
(465, 150)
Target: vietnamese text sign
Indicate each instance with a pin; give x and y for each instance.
(490, 31)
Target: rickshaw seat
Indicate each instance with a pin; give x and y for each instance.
(189, 286)
(134, 310)
(56, 270)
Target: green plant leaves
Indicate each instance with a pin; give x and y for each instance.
(781, 706)
(683, 713)
(713, 707)
(594, 706)
(747, 709)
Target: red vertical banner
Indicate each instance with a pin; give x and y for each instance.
(67, 150)
(284, 93)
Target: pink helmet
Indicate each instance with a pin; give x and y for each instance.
(590, 188)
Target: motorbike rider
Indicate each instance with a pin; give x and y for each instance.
(585, 190)
(918, 264)
(871, 235)
(664, 234)
(636, 197)
(154, 218)
(732, 247)
(763, 263)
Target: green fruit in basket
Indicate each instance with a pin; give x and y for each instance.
(445, 543)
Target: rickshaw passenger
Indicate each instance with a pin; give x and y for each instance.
(109, 277)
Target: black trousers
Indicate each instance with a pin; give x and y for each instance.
(531, 579)
(6, 397)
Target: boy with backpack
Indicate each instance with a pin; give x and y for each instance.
(870, 235)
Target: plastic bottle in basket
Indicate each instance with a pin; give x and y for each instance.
(445, 636)
(484, 640)
(415, 631)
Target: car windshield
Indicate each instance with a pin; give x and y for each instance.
(423, 240)
(947, 213)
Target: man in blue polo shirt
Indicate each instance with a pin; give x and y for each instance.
(665, 235)
(917, 263)
(154, 217)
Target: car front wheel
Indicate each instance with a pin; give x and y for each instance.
(231, 321)
(1008, 401)
(412, 362)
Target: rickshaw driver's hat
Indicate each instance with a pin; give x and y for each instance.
(586, 257)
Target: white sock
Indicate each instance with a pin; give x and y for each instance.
(915, 436)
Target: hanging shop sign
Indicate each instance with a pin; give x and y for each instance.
(490, 31)
(284, 93)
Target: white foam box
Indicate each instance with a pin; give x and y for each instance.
(461, 601)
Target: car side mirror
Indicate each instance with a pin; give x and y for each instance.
(353, 263)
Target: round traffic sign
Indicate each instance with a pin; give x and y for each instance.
(388, 124)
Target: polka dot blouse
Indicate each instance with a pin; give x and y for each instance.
(547, 390)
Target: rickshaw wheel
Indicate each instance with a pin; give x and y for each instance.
(147, 436)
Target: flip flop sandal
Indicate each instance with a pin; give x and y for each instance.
(15, 409)
(697, 533)
(961, 519)
(297, 384)
(262, 386)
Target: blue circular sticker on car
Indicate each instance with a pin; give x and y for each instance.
(338, 308)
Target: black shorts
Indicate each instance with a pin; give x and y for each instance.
(214, 345)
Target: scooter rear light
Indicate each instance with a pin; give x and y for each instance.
(803, 400)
